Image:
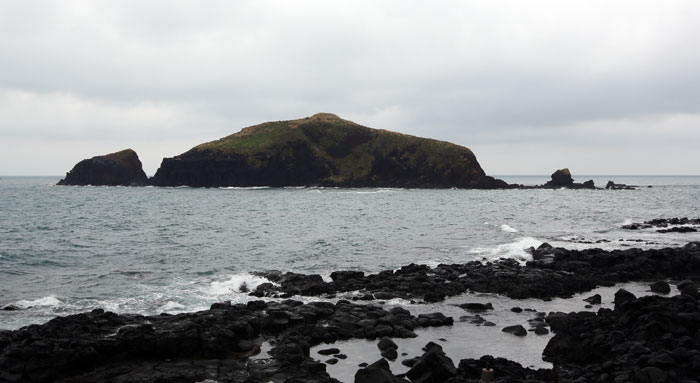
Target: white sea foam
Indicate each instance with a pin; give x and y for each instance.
(508, 229)
(244, 187)
(171, 306)
(626, 222)
(234, 283)
(432, 264)
(47, 301)
(514, 250)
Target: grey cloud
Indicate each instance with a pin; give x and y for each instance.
(479, 74)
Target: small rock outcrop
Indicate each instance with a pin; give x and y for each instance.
(115, 169)
(667, 225)
(562, 179)
(612, 185)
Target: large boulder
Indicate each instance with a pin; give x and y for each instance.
(432, 367)
(115, 169)
(561, 178)
(377, 372)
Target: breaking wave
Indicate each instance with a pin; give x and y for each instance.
(515, 250)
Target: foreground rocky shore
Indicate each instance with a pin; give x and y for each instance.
(553, 272)
(646, 339)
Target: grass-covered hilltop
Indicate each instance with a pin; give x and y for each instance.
(324, 150)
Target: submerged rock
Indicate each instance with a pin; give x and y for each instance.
(517, 330)
(615, 186)
(477, 307)
(116, 169)
(660, 287)
(594, 299)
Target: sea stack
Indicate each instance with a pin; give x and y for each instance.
(115, 169)
(324, 150)
(562, 179)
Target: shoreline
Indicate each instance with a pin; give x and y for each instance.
(194, 346)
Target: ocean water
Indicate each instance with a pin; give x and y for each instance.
(66, 249)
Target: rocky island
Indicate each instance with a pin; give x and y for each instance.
(115, 169)
(324, 150)
(321, 150)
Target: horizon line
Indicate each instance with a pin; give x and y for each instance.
(492, 175)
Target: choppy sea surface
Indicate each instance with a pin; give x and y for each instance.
(66, 249)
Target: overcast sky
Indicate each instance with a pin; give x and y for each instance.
(601, 87)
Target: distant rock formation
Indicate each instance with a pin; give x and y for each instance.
(325, 150)
(612, 185)
(562, 179)
(121, 168)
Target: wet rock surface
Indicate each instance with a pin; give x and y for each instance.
(647, 339)
(214, 344)
(553, 272)
(667, 225)
(615, 186)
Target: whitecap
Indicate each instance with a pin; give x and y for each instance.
(515, 250)
(508, 229)
(172, 306)
(244, 187)
(47, 301)
(234, 284)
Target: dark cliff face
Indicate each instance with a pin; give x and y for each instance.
(121, 168)
(324, 150)
(294, 165)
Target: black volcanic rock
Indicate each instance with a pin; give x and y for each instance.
(212, 344)
(553, 272)
(324, 150)
(433, 366)
(561, 178)
(649, 339)
(116, 169)
(660, 287)
(518, 330)
(667, 225)
(377, 372)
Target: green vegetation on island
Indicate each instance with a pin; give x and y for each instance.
(324, 150)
